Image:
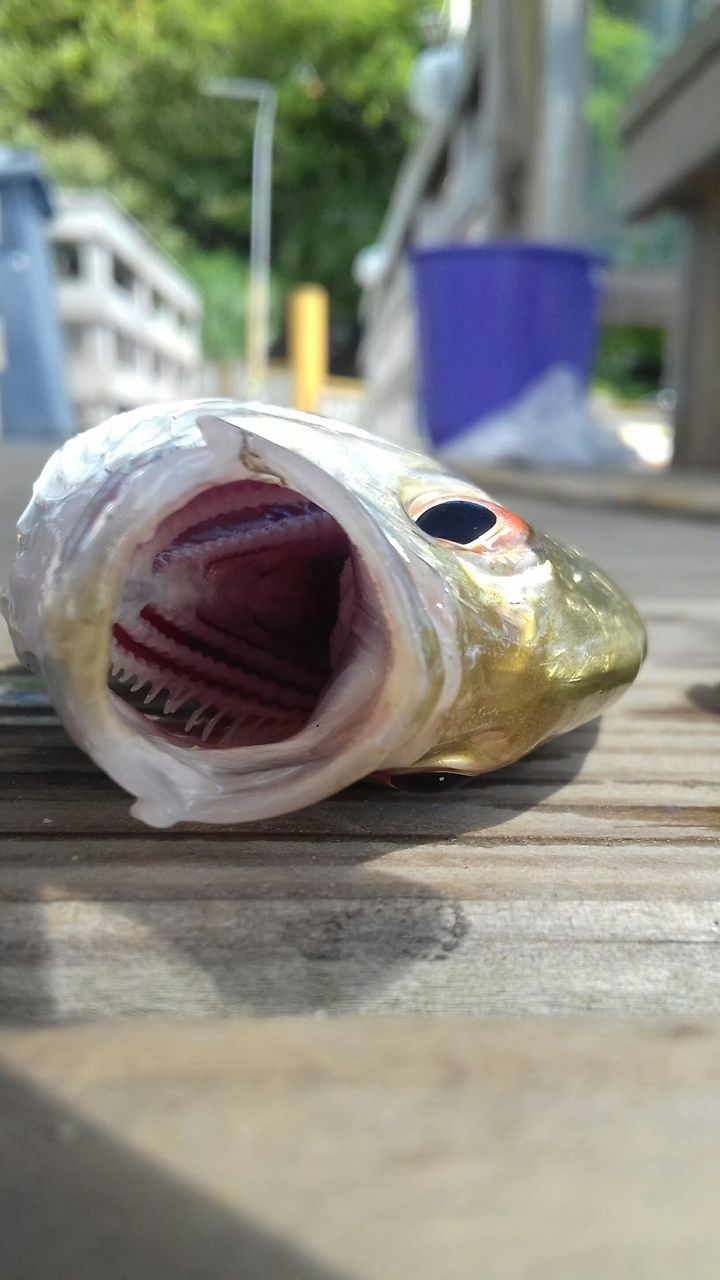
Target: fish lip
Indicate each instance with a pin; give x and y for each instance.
(224, 786)
(609, 633)
(582, 570)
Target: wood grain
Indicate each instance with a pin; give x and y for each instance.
(350, 1149)
(669, 127)
(584, 879)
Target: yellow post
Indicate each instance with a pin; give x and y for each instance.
(308, 331)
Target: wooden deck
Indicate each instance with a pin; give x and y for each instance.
(583, 881)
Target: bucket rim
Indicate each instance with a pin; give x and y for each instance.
(529, 248)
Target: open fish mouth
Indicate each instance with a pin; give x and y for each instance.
(224, 614)
(234, 616)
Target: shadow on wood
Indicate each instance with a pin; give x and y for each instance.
(75, 1203)
(298, 915)
(706, 697)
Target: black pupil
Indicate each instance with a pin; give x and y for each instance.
(457, 520)
(428, 782)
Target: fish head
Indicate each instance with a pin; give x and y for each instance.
(286, 605)
(546, 640)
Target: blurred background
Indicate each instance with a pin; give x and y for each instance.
(490, 227)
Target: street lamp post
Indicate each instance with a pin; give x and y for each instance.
(258, 309)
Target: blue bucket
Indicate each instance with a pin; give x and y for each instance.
(493, 319)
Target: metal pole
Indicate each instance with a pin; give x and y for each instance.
(258, 307)
(558, 197)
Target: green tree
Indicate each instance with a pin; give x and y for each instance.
(107, 91)
(621, 56)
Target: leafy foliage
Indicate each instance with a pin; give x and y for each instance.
(630, 360)
(621, 55)
(222, 278)
(107, 91)
(623, 51)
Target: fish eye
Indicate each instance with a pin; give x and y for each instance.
(475, 524)
(427, 783)
(457, 520)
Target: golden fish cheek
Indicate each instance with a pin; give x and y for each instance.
(498, 712)
(544, 648)
(596, 638)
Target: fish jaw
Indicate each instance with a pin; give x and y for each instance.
(546, 647)
(383, 702)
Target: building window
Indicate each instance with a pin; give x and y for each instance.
(75, 338)
(66, 256)
(125, 350)
(102, 339)
(161, 306)
(122, 275)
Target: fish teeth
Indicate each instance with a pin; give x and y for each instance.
(236, 723)
(153, 692)
(195, 716)
(211, 725)
(174, 701)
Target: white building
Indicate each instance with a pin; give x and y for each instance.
(131, 318)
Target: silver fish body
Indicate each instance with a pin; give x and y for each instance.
(239, 610)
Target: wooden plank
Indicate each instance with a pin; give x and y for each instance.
(641, 295)
(370, 903)
(684, 493)
(698, 430)
(671, 131)
(671, 138)
(357, 1150)
(581, 879)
